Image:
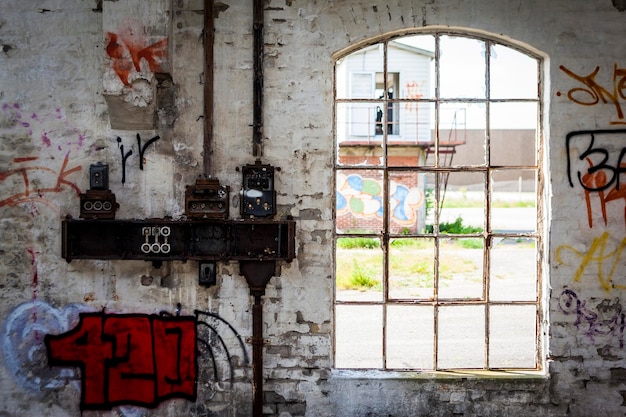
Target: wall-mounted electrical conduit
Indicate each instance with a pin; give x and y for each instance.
(206, 233)
(256, 272)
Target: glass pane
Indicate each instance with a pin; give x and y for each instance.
(461, 268)
(415, 133)
(357, 141)
(359, 269)
(410, 337)
(414, 58)
(513, 270)
(513, 200)
(356, 73)
(462, 198)
(400, 154)
(512, 337)
(411, 268)
(461, 337)
(407, 205)
(462, 132)
(430, 201)
(358, 336)
(462, 67)
(513, 136)
(360, 201)
(513, 74)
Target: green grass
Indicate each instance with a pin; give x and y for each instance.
(359, 260)
(358, 243)
(358, 269)
(458, 228)
(362, 278)
(411, 264)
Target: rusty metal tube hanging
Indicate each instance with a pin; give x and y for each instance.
(257, 89)
(257, 275)
(209, 40)
(257, 356)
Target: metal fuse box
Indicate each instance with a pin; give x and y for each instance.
(207, 199)
(258, 194)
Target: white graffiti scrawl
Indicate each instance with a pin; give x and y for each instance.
(22, 342)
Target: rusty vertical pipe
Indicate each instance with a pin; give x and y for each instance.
(257, 356)
(257, 88)
(257, 275)
(209, 40)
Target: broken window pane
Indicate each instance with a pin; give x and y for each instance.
(412, 268)
(462, 67)
(461, 337)
(359, 338)
(410, 336)
(513, 201)
(462, 133)
(513, 75)
(513, 134)
(461, 268)
(513, 336)
(513, 269)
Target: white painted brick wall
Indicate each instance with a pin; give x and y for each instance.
(54, 73)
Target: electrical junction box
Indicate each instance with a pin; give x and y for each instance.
(258, 194)
(207, 274)
(207, 199)
(99, 176)
(98, 204)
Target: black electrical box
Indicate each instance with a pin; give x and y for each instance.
(98, 202)
(259, 196)
(99, 176)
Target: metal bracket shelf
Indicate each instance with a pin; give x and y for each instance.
(167, 240)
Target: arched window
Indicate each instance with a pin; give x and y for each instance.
(438, 175)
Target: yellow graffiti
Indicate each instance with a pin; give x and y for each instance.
(599, 254)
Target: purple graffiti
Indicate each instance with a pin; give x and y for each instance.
(608, 319)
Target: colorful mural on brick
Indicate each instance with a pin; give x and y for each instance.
(362, 198)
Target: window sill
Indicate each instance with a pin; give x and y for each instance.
(528, 375)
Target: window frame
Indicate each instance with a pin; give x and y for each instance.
(539, 235)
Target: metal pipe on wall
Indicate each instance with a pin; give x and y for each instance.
(256, 273)
(209, 40)
(257, 134)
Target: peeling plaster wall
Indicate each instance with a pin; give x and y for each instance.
(64, 105)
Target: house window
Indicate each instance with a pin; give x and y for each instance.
(392, 122)
(438, 218)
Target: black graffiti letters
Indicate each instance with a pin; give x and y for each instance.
(593, 169)
(142, 151)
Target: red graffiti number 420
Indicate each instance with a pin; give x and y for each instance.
(129, 359)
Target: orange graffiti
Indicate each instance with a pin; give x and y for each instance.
(592, 93)
(413, 91)
(37, 196)
(598, 181)
(127, 54)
